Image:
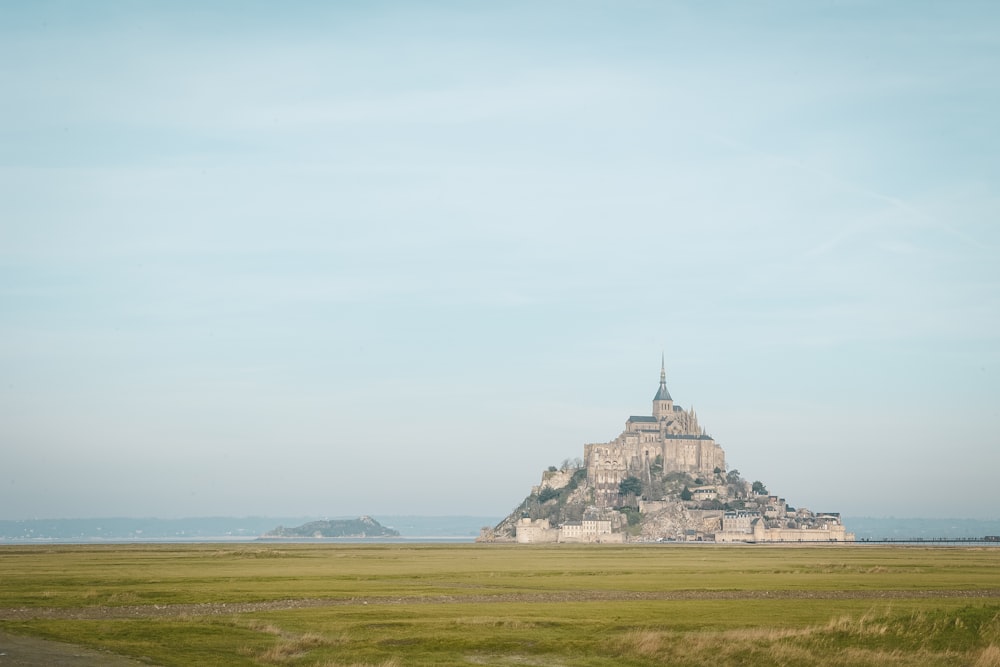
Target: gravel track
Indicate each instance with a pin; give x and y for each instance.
(19, 651)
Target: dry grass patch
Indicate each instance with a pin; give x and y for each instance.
(259, 626)
(291, 648)
(989, 657)
(646, 643)
(529, 660)
(494, 622)
(251, 553)
(874, 638)
(392, 662)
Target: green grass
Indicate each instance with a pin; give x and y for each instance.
(516, 605)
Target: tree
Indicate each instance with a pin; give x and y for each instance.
(686, 494)
(547, 493)
(630, 485)
(759, 488)
(632, 514)
(733, 476)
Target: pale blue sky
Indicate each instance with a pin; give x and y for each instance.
(399, 257)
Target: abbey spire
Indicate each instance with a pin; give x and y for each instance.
(663, 405)
(663, 394)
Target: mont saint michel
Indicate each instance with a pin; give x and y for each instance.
(664, 478)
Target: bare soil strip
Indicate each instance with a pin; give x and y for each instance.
(229, 608)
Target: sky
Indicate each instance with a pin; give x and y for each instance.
(278, 259)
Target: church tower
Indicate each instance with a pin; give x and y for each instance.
(663, 405)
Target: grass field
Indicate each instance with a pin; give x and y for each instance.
(468, 604)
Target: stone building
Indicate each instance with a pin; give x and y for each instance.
(593, 530)
(751, 526)
(740, 521)
(535, 531)
(671, 437)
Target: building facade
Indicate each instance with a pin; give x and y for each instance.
(539, 531)
(670, 437)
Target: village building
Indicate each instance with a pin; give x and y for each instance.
(752, 526)
(535, 531)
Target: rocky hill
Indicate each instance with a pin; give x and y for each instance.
(566, 495)
(662, 478)
(671, 506)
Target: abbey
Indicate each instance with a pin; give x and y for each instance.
(669, 440)
(663, 479)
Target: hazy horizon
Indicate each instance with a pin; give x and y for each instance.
(362, 257)
(337, 516)
(410, 527)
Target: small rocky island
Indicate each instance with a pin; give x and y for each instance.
(362, 527)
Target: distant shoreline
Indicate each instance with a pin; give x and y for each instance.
(412, 529)
(223, 540)
(226, 539)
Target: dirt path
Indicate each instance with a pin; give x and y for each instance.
(33, 652)
(227, 609)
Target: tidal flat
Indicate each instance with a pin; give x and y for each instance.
(477, 604)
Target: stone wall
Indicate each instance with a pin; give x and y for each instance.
(528, 531)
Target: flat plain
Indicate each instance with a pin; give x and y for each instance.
(460, 604)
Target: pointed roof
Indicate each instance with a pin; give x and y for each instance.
(662, 394)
